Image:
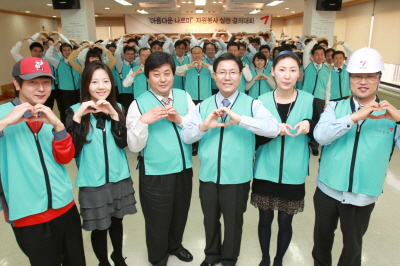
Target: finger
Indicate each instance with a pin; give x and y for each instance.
(376, 116)
(288, 126)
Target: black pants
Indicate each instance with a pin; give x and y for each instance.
(320, 107)
(165, 201)
(231, 202)
(55, 242)
(125, 99)
(66, 99)
(354, 222)
(50, 101)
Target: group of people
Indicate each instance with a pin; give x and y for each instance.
(255, 117)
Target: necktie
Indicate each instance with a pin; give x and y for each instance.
(166, 101)
(339, 70)
(225, 103)
(130, 65)
(180, 59)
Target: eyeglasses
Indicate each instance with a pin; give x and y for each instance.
(231, 74)
(358, 78)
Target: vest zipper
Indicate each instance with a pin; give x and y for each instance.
(315, 84)
(353, 158)
(221, 137)
(198, 85)
(259, 87)
(340, 86)
(73, 78)
(180, 146)
(106, 155)
(281, 159)
(46, 173)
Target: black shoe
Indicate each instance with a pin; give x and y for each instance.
(184, 255)
(118, 262)
(204, 263)
(194, 152)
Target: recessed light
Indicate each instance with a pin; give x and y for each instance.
(27, 11)
(178, 6)
(287, 8)
(293, 12)
(96, 15)
(275, 3)
(54, 16)
(106, 8)
(50, 4)
(279, 16)
(183, 2)
(123, 2)
(190, 2)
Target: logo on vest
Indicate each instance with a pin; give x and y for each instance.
(388, 131)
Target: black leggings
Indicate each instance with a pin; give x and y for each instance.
(284, 235)
(99, 241)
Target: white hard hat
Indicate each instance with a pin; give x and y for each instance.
(365, 60)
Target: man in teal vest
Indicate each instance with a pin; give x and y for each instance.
(35, 189)
(358, 136)
(226, 124)
(154, 123)
(339, 78)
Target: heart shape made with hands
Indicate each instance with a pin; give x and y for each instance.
(293, 131)
(381, 107)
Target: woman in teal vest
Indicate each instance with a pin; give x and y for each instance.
(281, 164)
(106, 194)
(259, 85)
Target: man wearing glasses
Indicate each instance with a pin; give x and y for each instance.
(358, 136)
(226, 124)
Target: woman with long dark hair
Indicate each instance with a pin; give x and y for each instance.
(106, 194)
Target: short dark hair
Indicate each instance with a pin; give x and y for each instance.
(92, 53)
(35, 44)
(232, 44)
(196, 47)
(259, 55)
(144, 49)
(209, 43)
(262, 47)
(329, 50)
(316, 48)
(20, 81)
(255, 40)
(156, 60)
(65, 45)
(323, 41)
(132, 40)
(98, 41)
(179, 42)
(129, 48)
(228, 56)
(156, 43)
(338, 52)
(307, 41)
(242, 45)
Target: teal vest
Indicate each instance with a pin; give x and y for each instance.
(23, 173)
(179, 81)
(267, 70)
(69, 78)
(242, 84)
(340, 83)
(198, 85)
(140, 84)
(213, 84)
(165, 152)
(226, 154)
(357, 161)
(285, 159)
(124, 72)
(117, 79)
(259, 87)
(299, 84)
(101, 161)
(315, 82)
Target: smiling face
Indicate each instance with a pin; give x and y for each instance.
(34, 91)
(286, 72)
(364, 90)
(197, 54)
(227, 77)
(260, 63)
(143, 55)
(100, 85)
(180, 50)
(161, 80)
(210, 51)
(319, 56)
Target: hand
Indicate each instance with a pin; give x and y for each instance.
(364, 112)
(391, 112)
(106, 107)
(56, 42)
(302, 128)
(173, 115)
(245, 41)
(139, 70)
(212, 120)
(234, 117)
(98, 45)
(54, 33)
(15, 116)
(84, 47)
(44, 33)
(153, 115)
(26, 38)
(83, 110)
(285, 129)
(47, 117)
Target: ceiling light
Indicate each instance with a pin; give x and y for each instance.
(96, 15)
(190, 2)
(255, 11)
(293, 12)
(287, 8)
(199, 2)
(279, 16)
(27, 11)
(50, 4)
(220, 2)
(142, 11)
(123, 2)
(214, 2)
(178, 6)
(199, 11)
(54, 16)
(106, 8)
(275, 3)
(183, 2)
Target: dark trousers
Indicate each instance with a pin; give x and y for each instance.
(231, 202)
(320, 107)
(354, 222)
(50, 101)
(125, 99)
(66, 99)
(55, 242)
(165, 201)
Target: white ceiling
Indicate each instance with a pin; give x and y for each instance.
(156, 7)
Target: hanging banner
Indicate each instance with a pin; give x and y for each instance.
(196, 23)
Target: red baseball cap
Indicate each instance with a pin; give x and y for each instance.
(32, 67)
